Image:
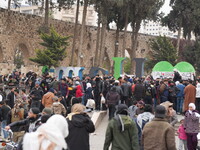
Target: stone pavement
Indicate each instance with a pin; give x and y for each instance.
(97, 138)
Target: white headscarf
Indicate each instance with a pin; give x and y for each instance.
(88, 85)
(192, 105)
(53, 133)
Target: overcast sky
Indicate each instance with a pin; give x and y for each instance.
(166, 8)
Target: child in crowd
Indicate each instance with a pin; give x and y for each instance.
(182, 136)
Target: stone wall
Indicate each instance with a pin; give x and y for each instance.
(19, 31)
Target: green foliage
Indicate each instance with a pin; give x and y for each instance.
(162, 50)
(191, 54)
(55, 49)
(184, 14)
(127, 65)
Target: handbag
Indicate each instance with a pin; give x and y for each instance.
(103, 100)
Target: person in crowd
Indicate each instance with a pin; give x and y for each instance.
(149, 93)
(180, 96)
(97, 87)
(173, 90)
(112, 99)
(118, 88)
(171, 115)
(79, 91)
(80, 125)
(16, 114)
(64, 88)
(197, 102)
(2, 94)
(30, 124)
(57, 107)
(158, 134)
(139, 91)
(47, 100)
(182, 136)
(11, 97)
(164, 91)
(45, 83)
(191, 126)
(190, 95)
(177, 76)
(121, 131)
(88, 92)
(36, 95)
(4, 110)
(144, 118)
(126, 89)
(140, 108)
(49, 136)
(132, 110)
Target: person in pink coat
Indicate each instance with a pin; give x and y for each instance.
(182, 136)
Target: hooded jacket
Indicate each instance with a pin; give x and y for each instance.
(122, 133)
(79, 128)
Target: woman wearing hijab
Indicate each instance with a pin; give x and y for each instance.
(88, 92)
(49, 136)
(80, 125)
(191, 125)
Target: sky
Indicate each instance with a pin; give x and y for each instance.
(166, 8)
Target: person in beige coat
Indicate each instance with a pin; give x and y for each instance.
(190, 95)
(47, 99)
(158, 134)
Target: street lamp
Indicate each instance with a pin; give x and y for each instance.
(116, 48)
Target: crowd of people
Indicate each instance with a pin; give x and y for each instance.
(142, 111)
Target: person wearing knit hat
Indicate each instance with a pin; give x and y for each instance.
(158, 134)
(191, 125)
(80, 126)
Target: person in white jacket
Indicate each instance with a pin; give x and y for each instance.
(198, 97)
(49, 136)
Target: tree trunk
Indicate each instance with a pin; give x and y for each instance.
(97, 41)
(178, 40)
(9, 3)
(125, 33)
(117, 42)
(75, 35)
(103, 39)
(82, 32)
(136, 27)
(46, 15)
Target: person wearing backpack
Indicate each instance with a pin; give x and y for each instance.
(112, 99)
(144, 118)
(121, 132)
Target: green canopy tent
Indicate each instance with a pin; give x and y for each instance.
(186, 70)
(162, 69)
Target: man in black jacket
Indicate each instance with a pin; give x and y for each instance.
(36, 95)
(30, 124)
(11, 97)
(126, 88)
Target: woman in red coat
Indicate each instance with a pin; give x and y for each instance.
(79, 92)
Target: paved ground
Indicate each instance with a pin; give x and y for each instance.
(97, 138)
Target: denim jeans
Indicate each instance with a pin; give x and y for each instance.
(179, 105)
(3, 125)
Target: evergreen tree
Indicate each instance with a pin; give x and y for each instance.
(191, 54)
(55, 49)
(162, 50)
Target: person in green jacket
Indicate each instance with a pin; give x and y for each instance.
(121, 131)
